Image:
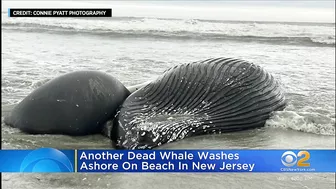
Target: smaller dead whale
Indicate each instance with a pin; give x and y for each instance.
(77, 103)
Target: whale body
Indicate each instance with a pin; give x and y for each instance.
(210, 96)
(77, 103)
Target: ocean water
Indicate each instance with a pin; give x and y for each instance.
(136, 50)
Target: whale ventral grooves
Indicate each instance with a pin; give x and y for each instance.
(211, 96)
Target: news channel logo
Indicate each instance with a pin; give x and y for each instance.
(46, 160)
(290, 159)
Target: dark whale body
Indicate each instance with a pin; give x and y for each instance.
(78, 103)
(210, 96)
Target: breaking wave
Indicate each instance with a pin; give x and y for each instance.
(306, 121)
(261, 32)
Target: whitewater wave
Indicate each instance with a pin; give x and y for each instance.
(275, 33)
(309, 122)
(38, 84)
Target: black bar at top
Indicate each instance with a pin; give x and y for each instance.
(59, 12)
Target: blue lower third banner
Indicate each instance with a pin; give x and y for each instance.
(53, 160)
